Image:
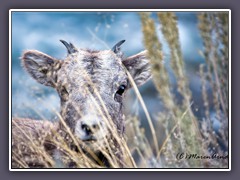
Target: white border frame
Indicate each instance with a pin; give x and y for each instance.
(114, 10)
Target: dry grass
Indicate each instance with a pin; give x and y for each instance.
(184, 131)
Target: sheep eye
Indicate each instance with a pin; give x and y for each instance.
(64, 90)
(121, 90)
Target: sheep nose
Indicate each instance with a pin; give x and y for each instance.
(90, 129)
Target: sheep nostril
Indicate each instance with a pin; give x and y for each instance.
(87, 129)
(95, 126)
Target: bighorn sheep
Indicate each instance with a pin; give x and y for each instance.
(91, 86)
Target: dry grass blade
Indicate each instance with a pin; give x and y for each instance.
(145, 110)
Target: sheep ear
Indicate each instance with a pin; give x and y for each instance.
(40, 66)
(139, 67)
